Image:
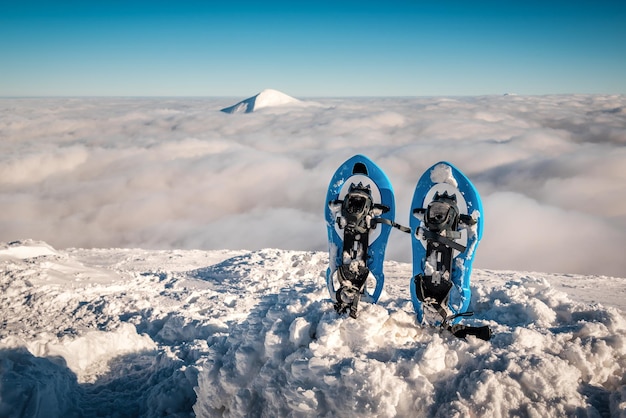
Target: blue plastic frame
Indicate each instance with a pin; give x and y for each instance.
(377, 245)
(460, 296)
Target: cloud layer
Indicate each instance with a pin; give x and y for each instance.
(178, 173)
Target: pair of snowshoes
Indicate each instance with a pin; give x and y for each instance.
(445, 226)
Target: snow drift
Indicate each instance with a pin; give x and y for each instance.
(123, 332)
(266, 98)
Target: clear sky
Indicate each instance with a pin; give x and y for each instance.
(311, 48)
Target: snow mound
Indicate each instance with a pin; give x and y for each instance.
(240, 333)
(25, 249)
(266, 98)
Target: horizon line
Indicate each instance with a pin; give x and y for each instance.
(167, 96)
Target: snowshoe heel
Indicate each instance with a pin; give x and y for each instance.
(354, 275)
(428, 290)
(347, 299)
(352, 283)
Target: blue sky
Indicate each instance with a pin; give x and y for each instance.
(308, 49)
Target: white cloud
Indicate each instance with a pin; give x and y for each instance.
(526, 234)
(167, 173)
(34, 166)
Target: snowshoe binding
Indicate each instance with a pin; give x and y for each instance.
(356, 219)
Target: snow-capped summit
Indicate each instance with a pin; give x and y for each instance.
(266, 98)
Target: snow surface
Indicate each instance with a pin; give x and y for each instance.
(266, 98)
(133, 332)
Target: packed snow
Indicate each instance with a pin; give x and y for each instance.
(134, 332)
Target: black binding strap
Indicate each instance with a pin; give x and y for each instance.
(392, 223)
(462, 331)
(434, 236)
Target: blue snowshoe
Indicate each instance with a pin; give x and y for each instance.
(447, 225)
(359, 215)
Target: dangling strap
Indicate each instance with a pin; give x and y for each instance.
(392, 223)
(462, 331)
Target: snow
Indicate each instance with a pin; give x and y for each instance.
(26, 249)
(135, 332)
(442, 173)
(266, 98)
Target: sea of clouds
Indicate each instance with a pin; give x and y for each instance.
(178, 173)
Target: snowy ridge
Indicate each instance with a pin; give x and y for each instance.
(237, 333)
(266, 98)
(26, 249)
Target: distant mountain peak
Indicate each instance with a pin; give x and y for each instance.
(266, 98)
